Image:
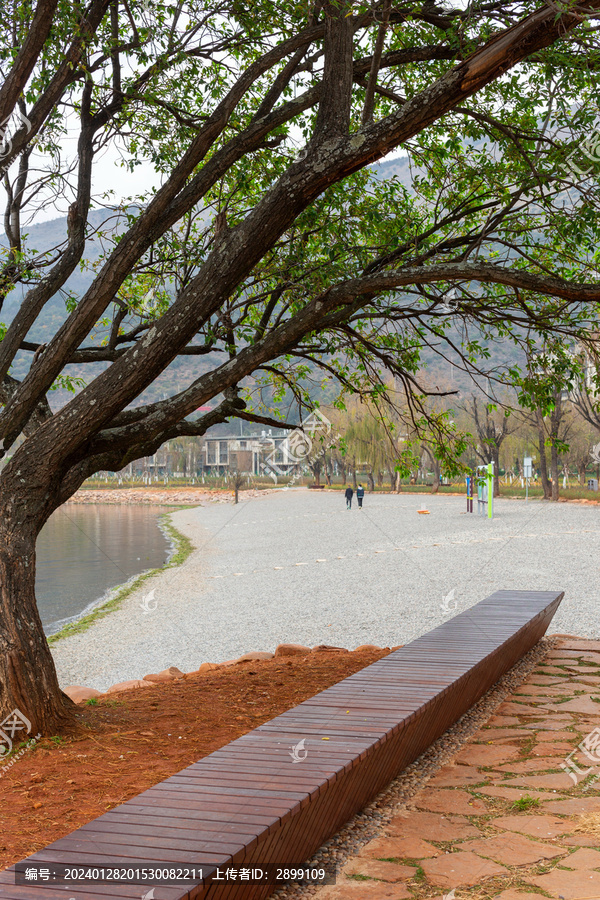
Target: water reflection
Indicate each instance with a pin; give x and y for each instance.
(83, 551)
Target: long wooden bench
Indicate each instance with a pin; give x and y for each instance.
(249, 803)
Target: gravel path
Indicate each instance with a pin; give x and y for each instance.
(297, 566)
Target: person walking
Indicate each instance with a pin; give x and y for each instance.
(349, 494)
(360, 493)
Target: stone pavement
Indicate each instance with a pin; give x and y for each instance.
(515, 815)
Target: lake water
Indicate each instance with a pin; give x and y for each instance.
(84, 551)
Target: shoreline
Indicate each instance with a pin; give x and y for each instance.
(180, 548)
(160, 496)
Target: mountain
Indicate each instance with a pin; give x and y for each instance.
(46, 236)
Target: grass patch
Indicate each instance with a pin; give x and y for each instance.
(525, 802)
(182, 549)
(420, 874)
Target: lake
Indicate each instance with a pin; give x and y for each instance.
(84, 551)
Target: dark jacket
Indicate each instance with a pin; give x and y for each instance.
(349, 494)
(360, 492)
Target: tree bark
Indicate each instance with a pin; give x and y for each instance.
(28, 680)
(542, 451)
(554, 470)
(436, 475)
(496, 461)
(316, 470)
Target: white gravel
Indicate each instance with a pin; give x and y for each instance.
(297, 566)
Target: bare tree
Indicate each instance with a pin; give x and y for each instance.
(492, 426)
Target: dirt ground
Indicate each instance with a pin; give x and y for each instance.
(132, 740)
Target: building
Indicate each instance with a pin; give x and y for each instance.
(250, 455)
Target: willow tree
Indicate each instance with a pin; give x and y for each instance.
(268, 251)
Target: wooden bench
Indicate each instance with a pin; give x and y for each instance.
(249, 803)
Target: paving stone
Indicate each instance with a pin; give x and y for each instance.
(544, 679)
(363, 890)
(548, 748)
(538, 826)
(462, 869)
(559, 656)
(556, 723)
(374, 868)
(549, 670)
(487, 754)
(453, 776)
(407, 847)
(582, 859)
(513, 849)
(582, 682)
(450, 802)
(432, 827)
(575, 807)
(557, 782)
(503, 721)
(569, 655)
(494, 734)
(578, 705)
(538, 764)
(515, 793)
(541, 690)
(555, 736)
(509, 707)
(582, 885)
(585, 673)
(581, 840)
(568, 644)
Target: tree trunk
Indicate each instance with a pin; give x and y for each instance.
(316, 469)
(436, 476)
(542, 450)
(371, 482)
(354, 482)
(28, 681)
(582, 469)
(496, 461)
(554, 470)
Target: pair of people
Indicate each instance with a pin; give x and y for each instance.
(349, 493)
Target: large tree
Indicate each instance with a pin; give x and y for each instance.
(268, 249)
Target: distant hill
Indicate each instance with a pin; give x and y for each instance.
(45, 236)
